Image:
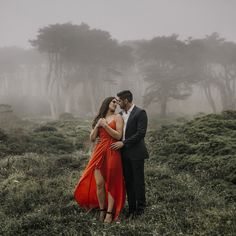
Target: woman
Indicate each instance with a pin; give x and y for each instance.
(102, 184)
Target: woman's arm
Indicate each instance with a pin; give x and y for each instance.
(116, 134)
(94, 132)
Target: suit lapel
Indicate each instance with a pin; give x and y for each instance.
(130, 118)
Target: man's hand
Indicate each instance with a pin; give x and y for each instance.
(117, 145)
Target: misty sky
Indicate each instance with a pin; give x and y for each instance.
(124, 19)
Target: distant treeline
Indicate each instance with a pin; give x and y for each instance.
(74, 67)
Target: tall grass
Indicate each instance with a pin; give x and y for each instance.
(190, 184)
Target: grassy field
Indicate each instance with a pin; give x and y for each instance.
(190, 180)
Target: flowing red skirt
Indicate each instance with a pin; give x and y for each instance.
(108, 161)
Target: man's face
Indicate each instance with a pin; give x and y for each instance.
(122, 103)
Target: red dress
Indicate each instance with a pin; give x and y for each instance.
(108, 161)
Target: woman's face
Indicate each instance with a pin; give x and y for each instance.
(113, 105)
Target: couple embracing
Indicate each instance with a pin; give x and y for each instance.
(116, 166)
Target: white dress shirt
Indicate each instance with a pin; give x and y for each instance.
(125, 116)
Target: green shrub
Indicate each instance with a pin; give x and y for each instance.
(45, 128)
(205, 146)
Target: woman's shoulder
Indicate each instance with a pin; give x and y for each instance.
(118, 117)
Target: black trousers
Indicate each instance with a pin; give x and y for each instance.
(133, 171)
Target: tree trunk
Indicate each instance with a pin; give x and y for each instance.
(224, 97)
(207, 90)
(89, 97)
(68, 101)
(53, 109)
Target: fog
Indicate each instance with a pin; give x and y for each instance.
(177, 57)
(124, 19)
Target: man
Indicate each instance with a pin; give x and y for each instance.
(133, 152)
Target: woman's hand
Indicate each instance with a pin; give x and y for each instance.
(98, 123)
(103, 122)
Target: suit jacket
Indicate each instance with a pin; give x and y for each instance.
(136, 127)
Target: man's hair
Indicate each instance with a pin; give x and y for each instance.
(126, 94)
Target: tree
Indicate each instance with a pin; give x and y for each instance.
(216, 62)
(78, 55)
(164, 64)
(16, 66)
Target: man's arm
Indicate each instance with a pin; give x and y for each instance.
(141, 130)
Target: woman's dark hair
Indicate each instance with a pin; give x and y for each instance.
(126, 94)
(103, 110)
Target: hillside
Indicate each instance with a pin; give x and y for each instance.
(190, 180)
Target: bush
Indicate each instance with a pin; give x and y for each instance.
(206, 144)
(46, 128)
(66, 116)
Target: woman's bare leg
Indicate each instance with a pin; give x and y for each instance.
(101, 195)
(108, 218)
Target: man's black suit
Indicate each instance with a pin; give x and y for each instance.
(133, 154)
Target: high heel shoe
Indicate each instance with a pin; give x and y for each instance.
(109, 217)
(102, 214)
